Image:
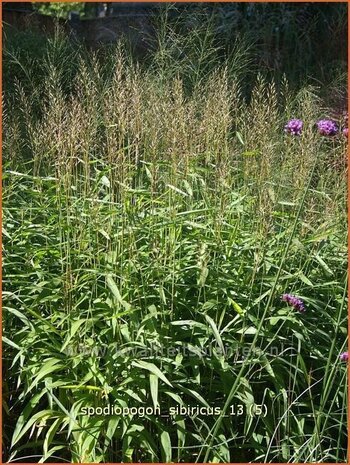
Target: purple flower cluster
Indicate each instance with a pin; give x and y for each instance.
(294, 302)
(299, 305)
(294, 127)
(327, 127)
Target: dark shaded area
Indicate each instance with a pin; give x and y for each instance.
(298, 39)
(304, 42)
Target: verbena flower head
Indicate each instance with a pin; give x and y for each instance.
(327, 127)
(294, 127)
(292, 300)
(344, 357)
(346, 132)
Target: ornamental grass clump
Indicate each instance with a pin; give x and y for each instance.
(144, 239)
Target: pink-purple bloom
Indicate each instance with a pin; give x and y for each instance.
(294, 127)
(294, 301)
(344, 357)
(346, 132)
(327, 127)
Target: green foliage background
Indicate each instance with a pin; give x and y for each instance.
(59, 9)
(154, 213)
